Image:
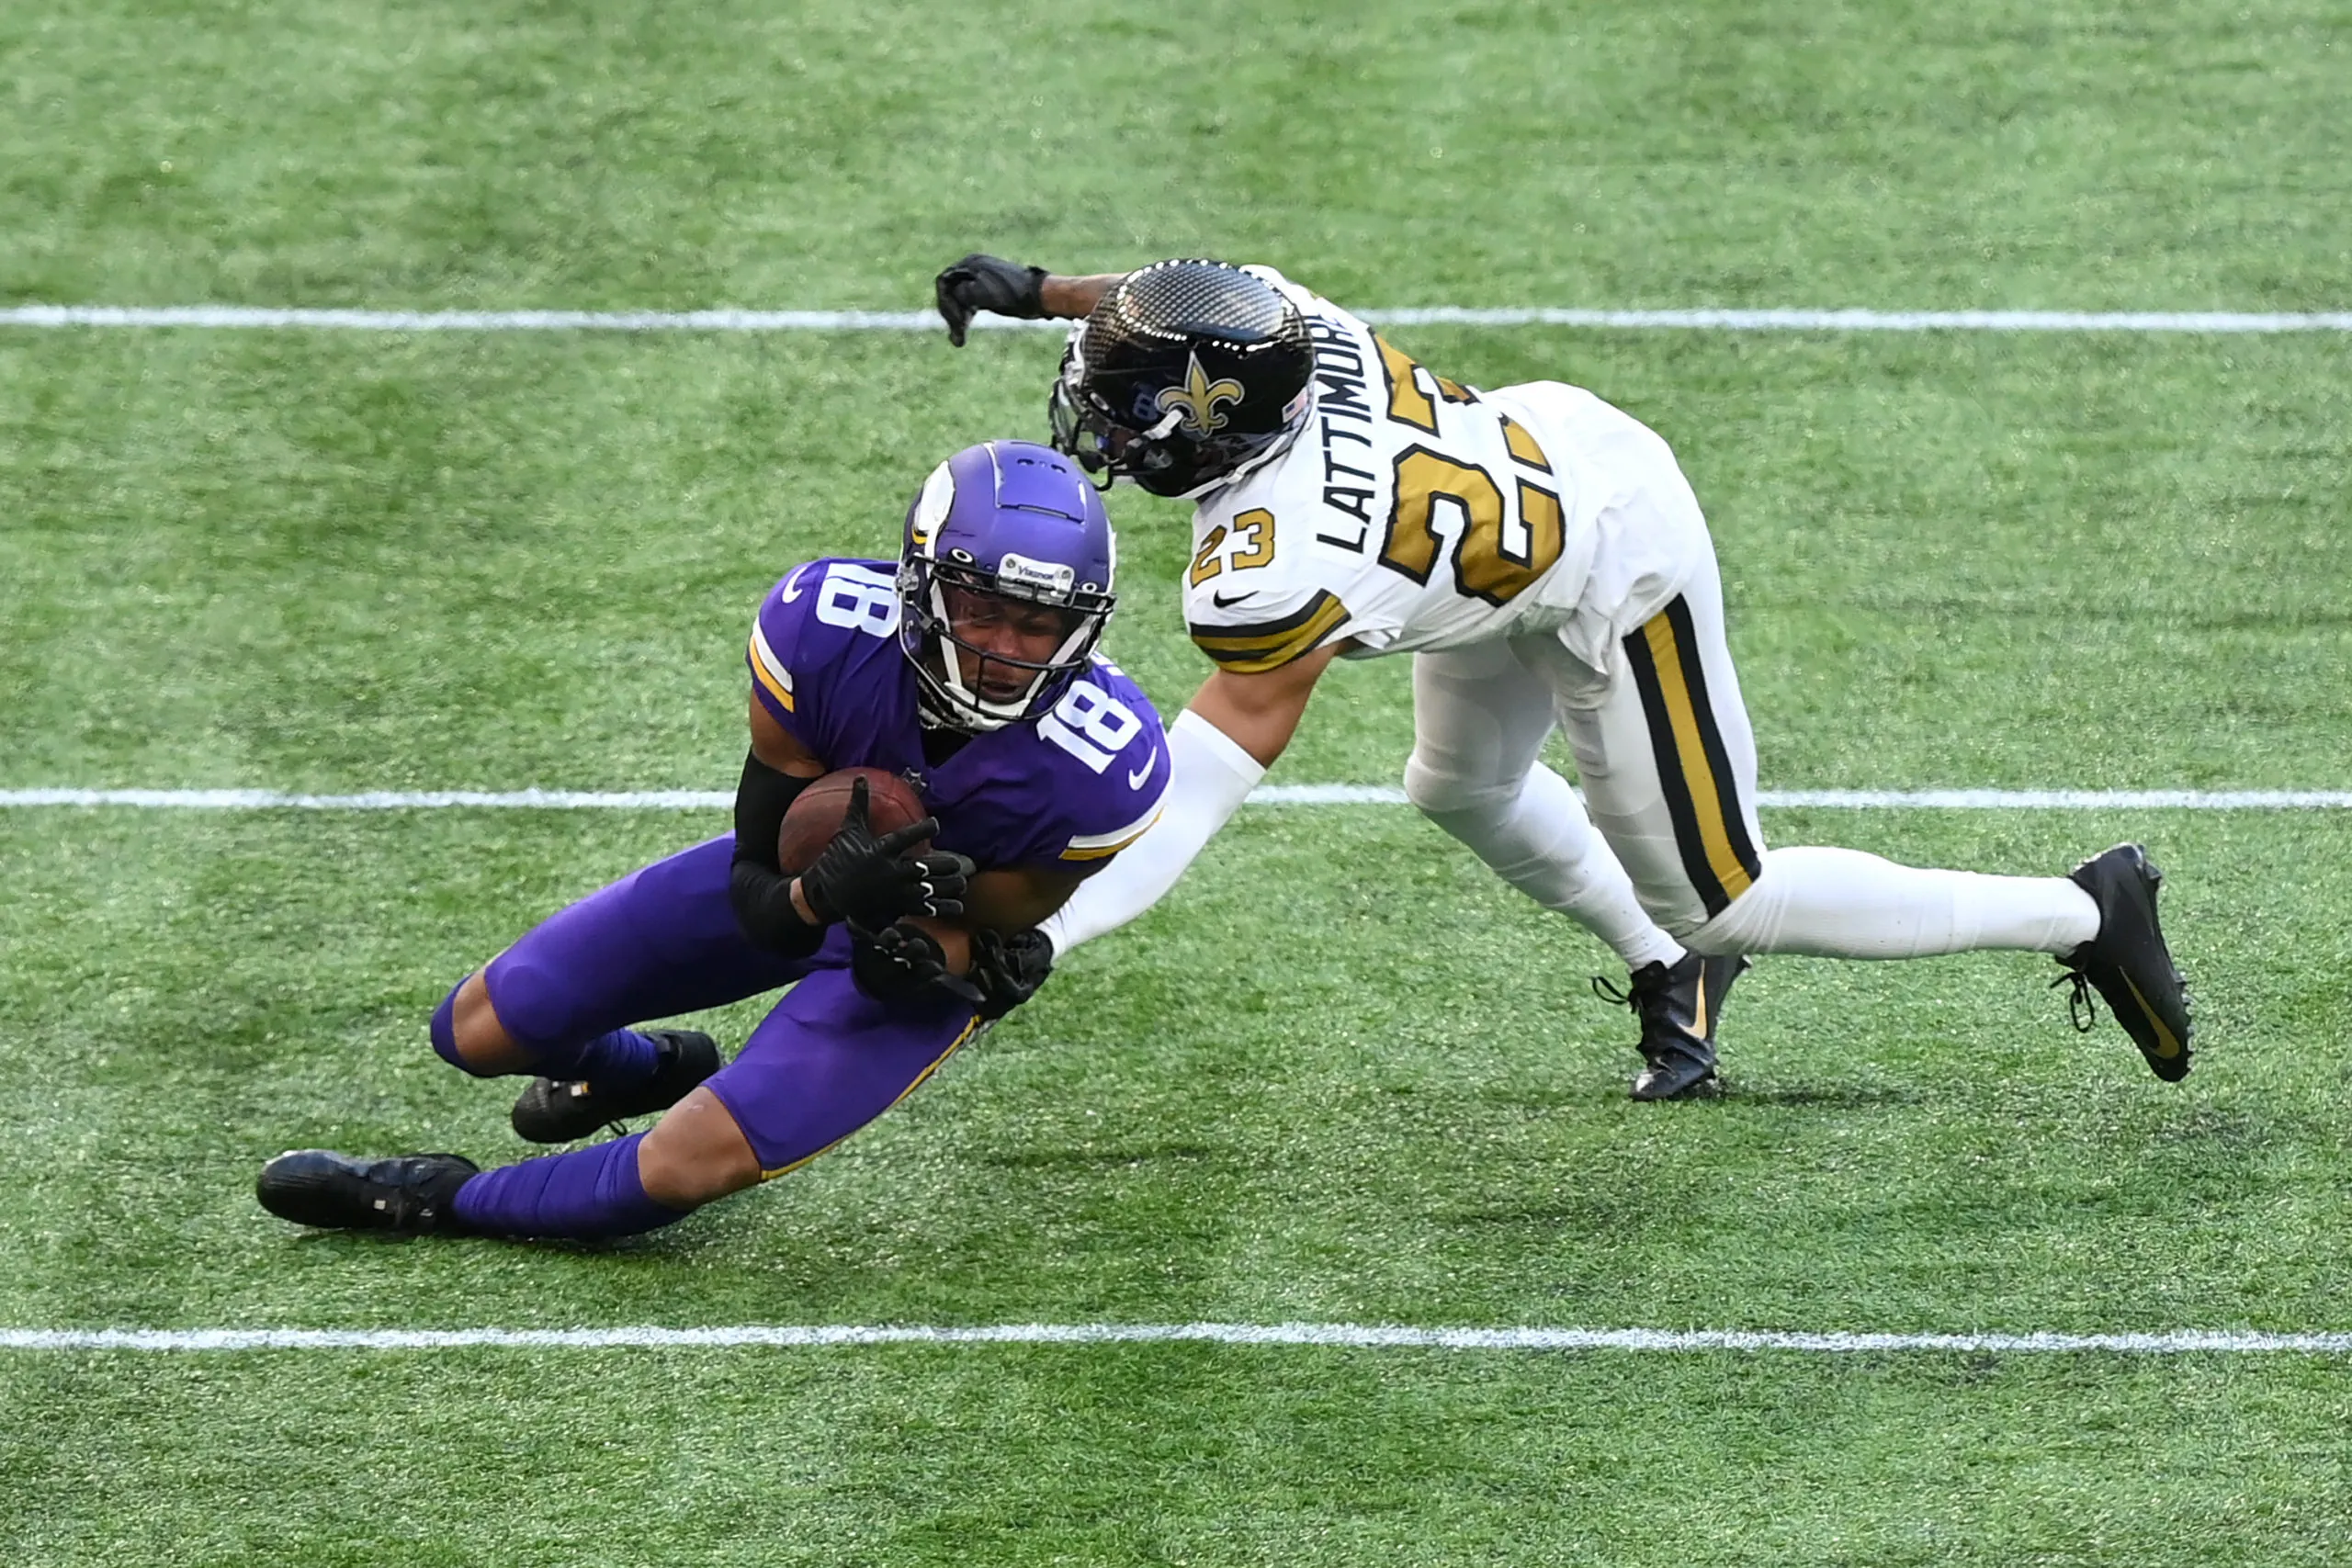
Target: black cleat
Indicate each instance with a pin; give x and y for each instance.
(1679, 1008)
(2129, 963)
(554, 1110)
(408, 1193)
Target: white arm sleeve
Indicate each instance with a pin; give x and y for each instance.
(1210, 775)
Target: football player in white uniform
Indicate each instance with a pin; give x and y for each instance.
(1542, 556)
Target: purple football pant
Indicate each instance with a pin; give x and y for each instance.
(663, 940)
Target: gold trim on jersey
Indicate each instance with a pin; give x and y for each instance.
(1257, 525)
(1485, 565)
(1522, 445)
(1423, 479)
(1098, 846)
(1206, 562)
(769, 671)
(1269, 644)
(1407, 404)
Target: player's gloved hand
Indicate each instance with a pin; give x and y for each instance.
(987, 282)
(902, 961)
(1009, 968)
(871, 881)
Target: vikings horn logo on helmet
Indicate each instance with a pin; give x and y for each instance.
(1196, 402)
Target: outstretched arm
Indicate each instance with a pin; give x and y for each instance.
(1070, 298)
(1220, 746)
(1009, 288)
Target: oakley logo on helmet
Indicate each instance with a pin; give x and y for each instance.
(1197, 399)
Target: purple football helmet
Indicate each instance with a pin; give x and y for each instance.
(1005, 533)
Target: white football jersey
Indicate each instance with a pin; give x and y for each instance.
(1410, 513)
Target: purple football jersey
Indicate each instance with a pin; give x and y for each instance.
(1070, 787)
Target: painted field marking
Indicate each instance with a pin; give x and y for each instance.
(1852, 321)
(1265, 794)
(1340, 1335)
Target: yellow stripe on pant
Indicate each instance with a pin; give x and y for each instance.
(1694, 770)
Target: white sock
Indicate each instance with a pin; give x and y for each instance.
(1845, 904)
(1542, 842)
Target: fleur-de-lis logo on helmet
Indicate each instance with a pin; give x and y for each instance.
(1195, 403)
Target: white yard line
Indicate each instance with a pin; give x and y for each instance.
(1266, 794)
(1343, 1336)
(247, 316)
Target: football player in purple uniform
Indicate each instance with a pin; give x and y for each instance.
(968, 667)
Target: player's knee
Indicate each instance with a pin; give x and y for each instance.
(696, 1155)
(1708, 941)
(1440, 792)
(467, 1034)
(1741, 927)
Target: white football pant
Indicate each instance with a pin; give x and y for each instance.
(1643, 685)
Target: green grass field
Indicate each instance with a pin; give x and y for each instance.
(1341, 1075)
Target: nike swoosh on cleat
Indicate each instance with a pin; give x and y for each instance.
(2166, 1046)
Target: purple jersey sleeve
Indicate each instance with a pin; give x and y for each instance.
(816, 631)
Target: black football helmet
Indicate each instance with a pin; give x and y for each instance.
(1187, 372)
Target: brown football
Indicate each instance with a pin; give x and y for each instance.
(816, 813)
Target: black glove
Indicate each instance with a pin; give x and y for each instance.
(900, 962)
(1009, 968)
(861, 878)
(987, 282)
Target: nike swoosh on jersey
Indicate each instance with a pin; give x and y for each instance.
(1135, 780)
(792, 585)
(1222, 603)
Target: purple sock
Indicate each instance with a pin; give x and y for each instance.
(583, 1195)
(445, 1034)
(620, 1060)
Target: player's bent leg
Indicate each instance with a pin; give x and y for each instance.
(622, 1186)
(828, 1060)
(662, 941)
(1669, 761)
(696, 1155)
(560, 1002)
(1833, 903)
(1479, 717)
